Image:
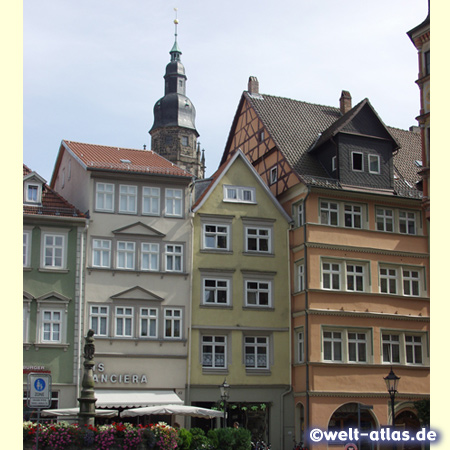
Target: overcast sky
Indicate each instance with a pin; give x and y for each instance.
(93, 69)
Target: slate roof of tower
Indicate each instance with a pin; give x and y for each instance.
(52, 203)
(116, 159)
(295, 126)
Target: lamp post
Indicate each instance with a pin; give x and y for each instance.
(392, 383)
(224, 395)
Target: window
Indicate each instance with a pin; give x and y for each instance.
(401, 281)
(33, 193)
(150, 200)
(374, 164)
(256, 352)
(184, 141)
(125, 255)
(357, 162)
(403, 348)
(214, 352)
(149, 256)
(26, 247)
(215, 236)
(262, 136)
(345, 345)
(128, 199)
(239, 194)
(273, 175)
(413, 348)
(299, 214)
(104, 197)
(258, 293)
(331, 276)
(101, 253)
(258, 239)
(300, 347)
(391, 348)
(216, 291)
(172, 323)
(385, 219)
(357, 347)
(426, 57)
(99, 320)
(300, 277)
(53, 251)
(148, 323)
(407, 222)
(333, 163)
(353, 216)
(174, 199)
(51, 326)
(332, 346)
(124, 321)
(174, 258)
(328, 213)
(355, 278)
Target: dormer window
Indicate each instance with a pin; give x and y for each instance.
(357, 162)
(33, 193)
(333, 163)
(374, 164)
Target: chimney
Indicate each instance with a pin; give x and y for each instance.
(345, 102)
(253, 85)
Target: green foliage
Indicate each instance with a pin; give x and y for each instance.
(243, 439)
(184, 439)
(199, 440)
(223, 438)
(423, 411)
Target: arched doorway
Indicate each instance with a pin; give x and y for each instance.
(408, 420)
(353, 415)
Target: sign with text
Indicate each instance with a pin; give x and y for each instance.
(39, 390)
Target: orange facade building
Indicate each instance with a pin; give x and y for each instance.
(358, 256)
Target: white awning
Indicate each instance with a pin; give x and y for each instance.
(73, 412)
(179, 410)
(111, 398)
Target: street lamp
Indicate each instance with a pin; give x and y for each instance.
(224, 395)
(392, 383)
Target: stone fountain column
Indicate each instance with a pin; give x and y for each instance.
(86, 415)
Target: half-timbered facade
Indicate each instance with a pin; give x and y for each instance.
(358, 253)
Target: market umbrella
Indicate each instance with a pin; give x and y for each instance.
(73, 412)
(180, 410)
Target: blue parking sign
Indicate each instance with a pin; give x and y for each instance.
(39, 390)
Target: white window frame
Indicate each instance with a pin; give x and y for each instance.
(406, 220)
(331, 275)
(300, 276)
(215, 234)
(334, 340)
(173, 202)
(102, 195)
(373, 158)
(388, 342)
(298, 213)
(360, 344)
(27, 248)
(412, 343)
(340, 275)
(58, 305)
(151, 201)
(333, 163)
(328, 211)
(37, 189)
(101, 249)
(124, 319)
(172, 256)
(255, 343)
(54, 250)
(353, 162)
(409, 280)
(354, 274)
(147, 317)
(151, 254)
(274, 175)
(353, 212)
(262, 289)
(300, 346)
(384, 219)
(173, 316)
(239, 194)
(410, 347)
(99, 319)
(128, 253)
(259, 237)
(55, 323)
(217, 357)
(213, 288)
(128, 199)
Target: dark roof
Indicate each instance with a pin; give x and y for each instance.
(52, 203)
(296, 126)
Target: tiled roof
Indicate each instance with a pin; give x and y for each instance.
(296, 126)
(52, 203)
(123, 159)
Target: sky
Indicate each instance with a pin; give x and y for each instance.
(93, 69)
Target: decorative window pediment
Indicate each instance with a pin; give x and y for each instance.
(137, 293)
(32, 189)
(139, 229)
(54, 299)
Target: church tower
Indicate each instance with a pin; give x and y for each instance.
(173, 134)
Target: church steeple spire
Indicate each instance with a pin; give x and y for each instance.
(173, 133)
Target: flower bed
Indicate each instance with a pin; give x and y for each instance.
(125, 436)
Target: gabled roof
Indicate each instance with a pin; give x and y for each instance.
(296, 126)
(221, 171)
(116, 159)
(52, 203)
